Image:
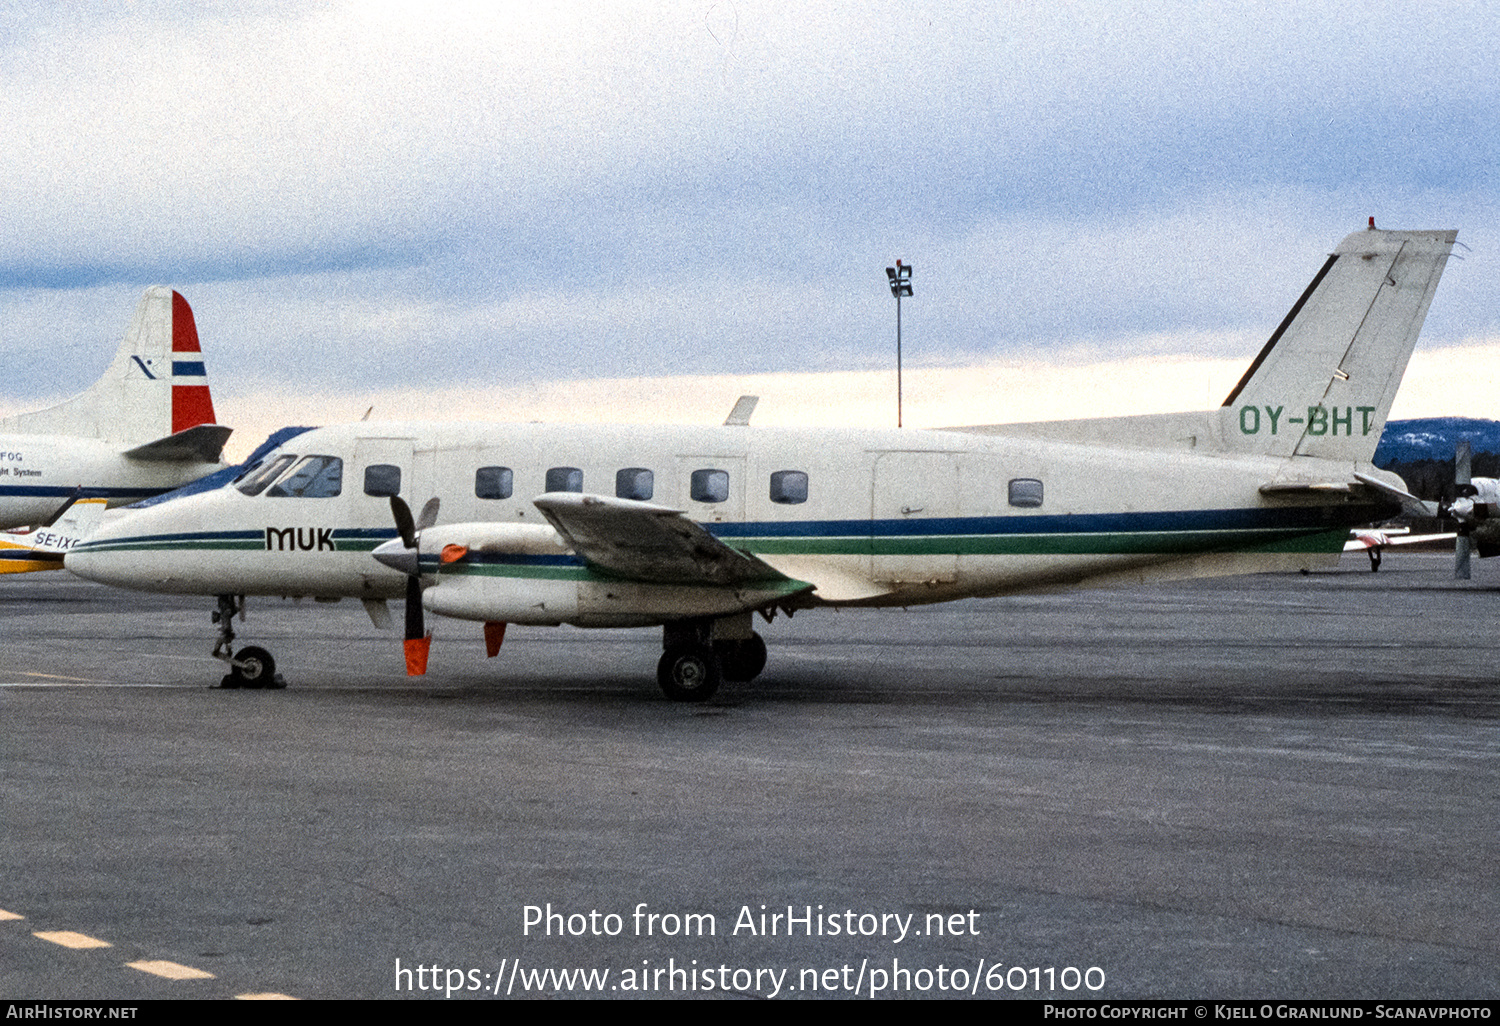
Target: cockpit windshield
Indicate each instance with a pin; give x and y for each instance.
(256, 480)
(316, 477)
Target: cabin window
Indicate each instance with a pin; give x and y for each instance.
(255, 482)
(709, 486)
(1025, 492)
(635, 483)
(382, 479)
(564, 479)
(493, 483)
(789, 487)
(316, 477)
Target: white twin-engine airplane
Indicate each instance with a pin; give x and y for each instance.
(145, 428)
(695, 529)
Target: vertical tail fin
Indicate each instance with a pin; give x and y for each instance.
(156, 386)
(1323, 384)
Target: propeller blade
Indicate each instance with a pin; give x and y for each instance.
(404, 525)
(409, 561)
(418, 642)
(415, 625)
(1461, 547)
(1462, 487)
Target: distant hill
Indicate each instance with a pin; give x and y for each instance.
(1434, 438)
(1421, 451)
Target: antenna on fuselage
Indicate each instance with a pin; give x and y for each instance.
(740, 415)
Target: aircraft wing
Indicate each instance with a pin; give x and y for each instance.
(646, 542)
(203, 443)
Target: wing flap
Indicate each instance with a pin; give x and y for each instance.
(646, 542)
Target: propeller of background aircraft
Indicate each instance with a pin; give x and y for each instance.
(1463, 487)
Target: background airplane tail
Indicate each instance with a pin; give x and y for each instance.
(1323, 384)
(155, 388)
(43, 548)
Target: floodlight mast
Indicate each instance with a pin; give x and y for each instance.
(900, 279)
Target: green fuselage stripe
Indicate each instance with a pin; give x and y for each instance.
(1250, 540)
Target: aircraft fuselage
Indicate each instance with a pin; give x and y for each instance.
(867, 517)
(39, 472)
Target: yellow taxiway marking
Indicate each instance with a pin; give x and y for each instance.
(171, 970)
(271, 996)
(71, 939)
(4, 915)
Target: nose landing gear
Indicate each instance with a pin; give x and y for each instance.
(251, 666)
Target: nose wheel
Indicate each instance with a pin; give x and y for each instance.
(251, 666)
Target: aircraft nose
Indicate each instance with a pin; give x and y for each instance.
(397, 556)
(92, 559)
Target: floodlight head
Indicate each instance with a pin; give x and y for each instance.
(900, 278)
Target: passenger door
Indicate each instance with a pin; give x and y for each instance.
(914, 499)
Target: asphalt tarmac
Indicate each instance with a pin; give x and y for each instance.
(1281, 786)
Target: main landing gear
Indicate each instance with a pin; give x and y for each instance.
(696, 656)
(251, 666)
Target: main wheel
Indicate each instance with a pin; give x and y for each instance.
(742, 660)
(689, 673)
(254, 667)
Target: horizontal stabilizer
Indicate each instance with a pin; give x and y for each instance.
(1363, 483)
(1410, 504)
(201, 444)
(642, 541)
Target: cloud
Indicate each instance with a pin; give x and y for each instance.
(368, 195)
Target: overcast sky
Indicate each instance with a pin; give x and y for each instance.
(358, 198)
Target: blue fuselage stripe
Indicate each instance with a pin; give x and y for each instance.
(62, 491)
